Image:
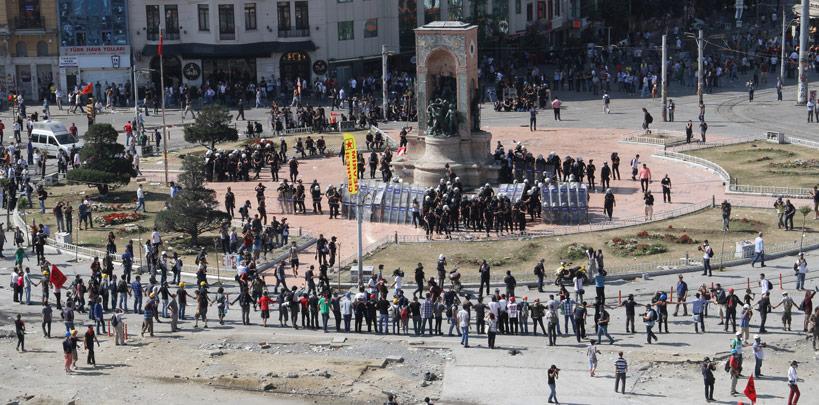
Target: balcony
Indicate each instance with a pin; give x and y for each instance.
(34, 24)
(294, 32)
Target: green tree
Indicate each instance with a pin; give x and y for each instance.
(104, 161)
(194, 210)
(211, 127)
(804, 210)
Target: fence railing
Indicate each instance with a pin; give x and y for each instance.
(684, 147)
(696, 160)
(802, 142)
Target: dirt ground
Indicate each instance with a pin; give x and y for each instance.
(520, 256)
(220, 366)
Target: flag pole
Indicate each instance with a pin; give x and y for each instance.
(162, 92)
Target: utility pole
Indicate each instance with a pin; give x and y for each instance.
(359, 220)
(384, 81)
(664, 73)
(700, 46)
(162, 93)
(782, 53)
(804, 25)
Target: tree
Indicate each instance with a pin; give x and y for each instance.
(211, 127)
(104, 161)
(194, 210)
(804, 210)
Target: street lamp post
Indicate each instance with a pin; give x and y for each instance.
(700, 46)
(804, 25)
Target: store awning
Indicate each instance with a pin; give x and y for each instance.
(251, 50)
(813, 7)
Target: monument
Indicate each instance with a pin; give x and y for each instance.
(449, 115)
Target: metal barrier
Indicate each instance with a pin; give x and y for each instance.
(802, 142)
(697, 161)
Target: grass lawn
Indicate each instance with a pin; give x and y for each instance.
(766, 164)
(520, 256)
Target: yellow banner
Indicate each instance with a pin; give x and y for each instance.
(351, 158)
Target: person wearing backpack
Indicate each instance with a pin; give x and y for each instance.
(707, 254)
(647, 120)
(649, 318)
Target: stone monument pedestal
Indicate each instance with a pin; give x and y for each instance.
(447, 73)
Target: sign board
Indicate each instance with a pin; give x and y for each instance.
(69, 61)
(351, 159)
(231, 261)
(95, 50)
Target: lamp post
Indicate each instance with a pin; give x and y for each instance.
(804, 26)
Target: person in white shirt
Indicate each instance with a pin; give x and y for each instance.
(759, 355)
(764, 284)
(512, 309)
(759, 251)
(801, 268)
(463, 322)
(140, 193)
(578, 289)
(793, 379)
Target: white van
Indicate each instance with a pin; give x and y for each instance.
(52, 136)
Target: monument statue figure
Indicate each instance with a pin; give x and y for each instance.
(452, 120)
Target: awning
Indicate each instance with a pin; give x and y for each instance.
(251, 50)
(813, 7)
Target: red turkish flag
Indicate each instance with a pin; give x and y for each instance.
(88, 89)
(159, 47)
(750, 389)
(57, 277)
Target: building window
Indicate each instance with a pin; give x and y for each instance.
(42, 48)
(371, 28)
(529, 13)
(21, 51)
(345, 1)
(284, 15)
(29, 15)
(302, 16)
(171, 22)
(517, 7)
(152, 22)
(345, 31)
(227, 26)
(541, 10)
(557, 8)
(551, 10)
(250, 17)
(204, 17)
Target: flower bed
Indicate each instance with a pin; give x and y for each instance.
(118, 218)
(103, 207)
(683, 239)
(574, 251)
(634, 248)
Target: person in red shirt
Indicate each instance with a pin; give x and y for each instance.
(264, 304)
(2, 130)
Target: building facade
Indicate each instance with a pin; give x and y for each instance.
(94, 45)
(28, 47)
(280, 40)
(254, 40)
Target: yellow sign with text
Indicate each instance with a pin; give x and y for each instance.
(351, 159)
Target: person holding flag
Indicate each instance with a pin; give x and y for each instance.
(57, 279)
(750, 389)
